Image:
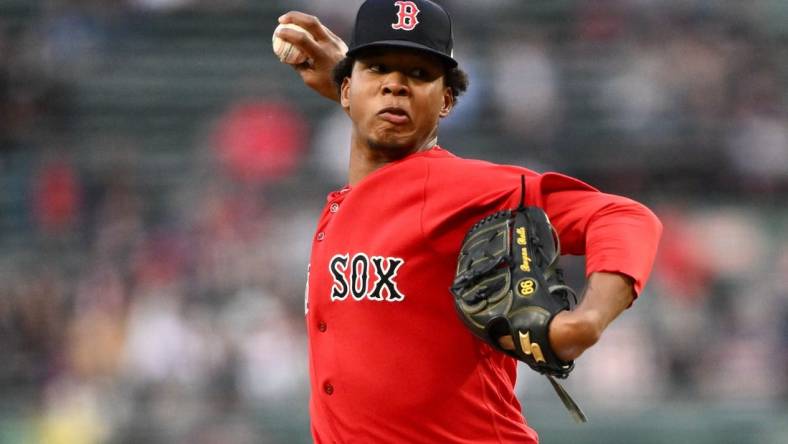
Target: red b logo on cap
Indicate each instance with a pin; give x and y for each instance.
(406, 17)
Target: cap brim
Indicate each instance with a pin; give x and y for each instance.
(404, 44)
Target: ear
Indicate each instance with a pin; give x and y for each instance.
(344, 94)
(448, 102)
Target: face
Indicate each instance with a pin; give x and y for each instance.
(395, 99)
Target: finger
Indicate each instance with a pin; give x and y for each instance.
(308, 22)
(300, 40)
(338, 41)
(303, 66)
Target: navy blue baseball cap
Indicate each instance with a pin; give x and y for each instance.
(415, 24)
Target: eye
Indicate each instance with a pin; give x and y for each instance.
(418, 73)
(377, 67)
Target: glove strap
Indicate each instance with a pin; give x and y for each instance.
(569, 403)
(522, 193)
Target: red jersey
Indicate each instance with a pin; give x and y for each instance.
(390, 359)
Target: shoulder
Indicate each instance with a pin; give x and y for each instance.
(473, 176)
(446, 168)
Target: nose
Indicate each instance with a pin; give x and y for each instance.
(396, 84)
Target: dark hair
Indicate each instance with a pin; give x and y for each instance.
(455, 78)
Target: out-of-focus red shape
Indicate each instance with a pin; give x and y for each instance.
(600, 20)
(260, 142)
(684, 271)
(56, 197)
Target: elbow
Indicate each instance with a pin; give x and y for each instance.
(654, 223)
(649, 228)
(647, 219)
(632, 216)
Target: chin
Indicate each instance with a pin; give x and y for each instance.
(392, 147)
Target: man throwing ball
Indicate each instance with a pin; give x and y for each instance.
(421, 244)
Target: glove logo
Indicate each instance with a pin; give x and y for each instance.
(531, 348)
(522, 240)
(406, 16)
(526, 287)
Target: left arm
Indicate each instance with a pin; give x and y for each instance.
(619, 238)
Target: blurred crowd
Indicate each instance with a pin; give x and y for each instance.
(136, 308)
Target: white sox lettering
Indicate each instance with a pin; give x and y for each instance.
(386, 280)
(406, 16)
(337, 266)
(359, 276)
(352, 277)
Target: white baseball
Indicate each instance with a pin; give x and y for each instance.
(286, 52)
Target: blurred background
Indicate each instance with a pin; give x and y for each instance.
(161, 174)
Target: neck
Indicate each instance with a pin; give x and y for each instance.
(366, 159)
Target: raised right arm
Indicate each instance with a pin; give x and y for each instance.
(323, 49)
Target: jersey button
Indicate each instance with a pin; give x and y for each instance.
(328, 388)
(321, 236)
(322, 326)
(334, 207)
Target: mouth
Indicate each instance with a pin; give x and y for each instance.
(395, 115)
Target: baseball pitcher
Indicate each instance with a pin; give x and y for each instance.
(432, 275)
